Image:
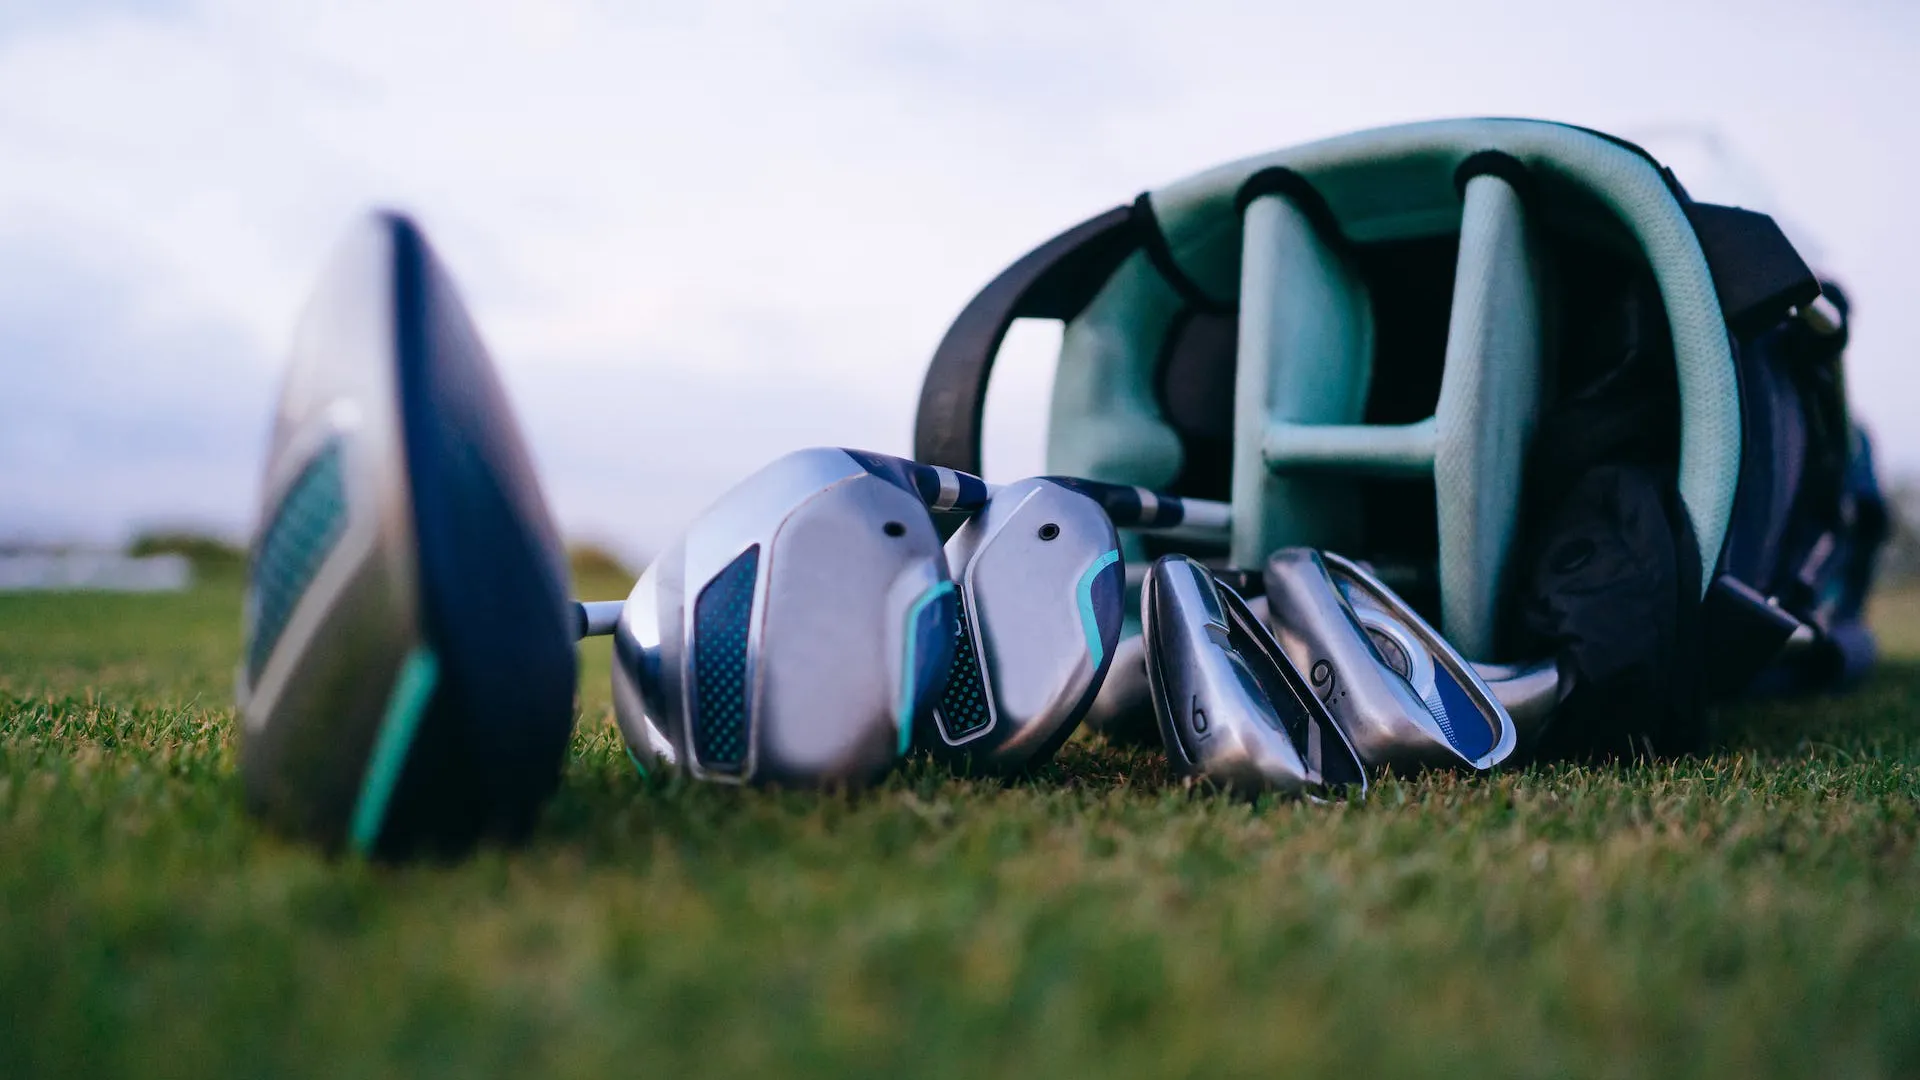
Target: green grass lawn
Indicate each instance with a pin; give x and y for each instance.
(1752, 913)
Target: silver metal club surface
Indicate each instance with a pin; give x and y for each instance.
(1039, 581)
(1405, 698)
(798, 629)
(1232, 709)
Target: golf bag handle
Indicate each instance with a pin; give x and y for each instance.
(1756, 274)
(1053, 281)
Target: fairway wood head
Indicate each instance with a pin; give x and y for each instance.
(1232, 709)
(1039, 580)
(408, 670)
(1405, 698)
(796, 631)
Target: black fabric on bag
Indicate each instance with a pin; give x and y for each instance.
(1829, 517)
(1409, 285)
(1193, 382)
(1613, 596)
(1772, 464)
(1610, 578)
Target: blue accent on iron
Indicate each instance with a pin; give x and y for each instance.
(301, 532)
(721, 718)
(1468, 731)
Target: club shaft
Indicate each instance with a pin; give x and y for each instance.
(596, 618)
(1146, 510)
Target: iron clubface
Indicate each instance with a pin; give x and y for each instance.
(408, 670)
(1039, 581)
(797, 630)
(1406, 699)
(1233, 710)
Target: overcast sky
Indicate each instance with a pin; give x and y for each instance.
(696, 235)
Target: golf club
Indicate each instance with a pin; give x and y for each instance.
(408, 670)
(1041, 589)
(1403, 695)
(798, 628)
(1232, 708)
(1038, 580)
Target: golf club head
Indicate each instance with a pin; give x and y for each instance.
(1406, 699)
(1122, 711)
(408, 670)
(1233, 710)
(1039, 582)
(797, 630)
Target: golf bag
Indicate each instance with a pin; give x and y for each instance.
(1565, 409)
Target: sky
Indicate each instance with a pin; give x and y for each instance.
(695, 236)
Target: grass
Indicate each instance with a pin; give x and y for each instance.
(1750, 913)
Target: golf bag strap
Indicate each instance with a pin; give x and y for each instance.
(1053, 281)
(1756, 272)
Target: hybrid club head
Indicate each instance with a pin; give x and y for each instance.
(1232, 709)
(1122, 711)
(408, 669)
(1039, 581)
(1122, 706)
(1406, 699)
(798, 629)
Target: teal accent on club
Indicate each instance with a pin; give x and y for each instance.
(910, 662)
(637, 767)
(412, 690)
(1088, 622)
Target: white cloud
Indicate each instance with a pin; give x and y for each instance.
(701, 234)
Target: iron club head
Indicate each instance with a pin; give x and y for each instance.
(1403, 695)
(1232, 708)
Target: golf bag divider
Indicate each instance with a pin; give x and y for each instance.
(1425, 302)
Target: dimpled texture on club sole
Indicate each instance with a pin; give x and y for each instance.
(963, 704)
(302, 532)
(721, 621)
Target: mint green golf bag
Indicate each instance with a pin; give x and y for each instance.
(1566, 409)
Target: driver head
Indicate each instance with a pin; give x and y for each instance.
(1039, 581)
(794, 633)
(1404, 696)
(408, 671)
(1232, 709)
